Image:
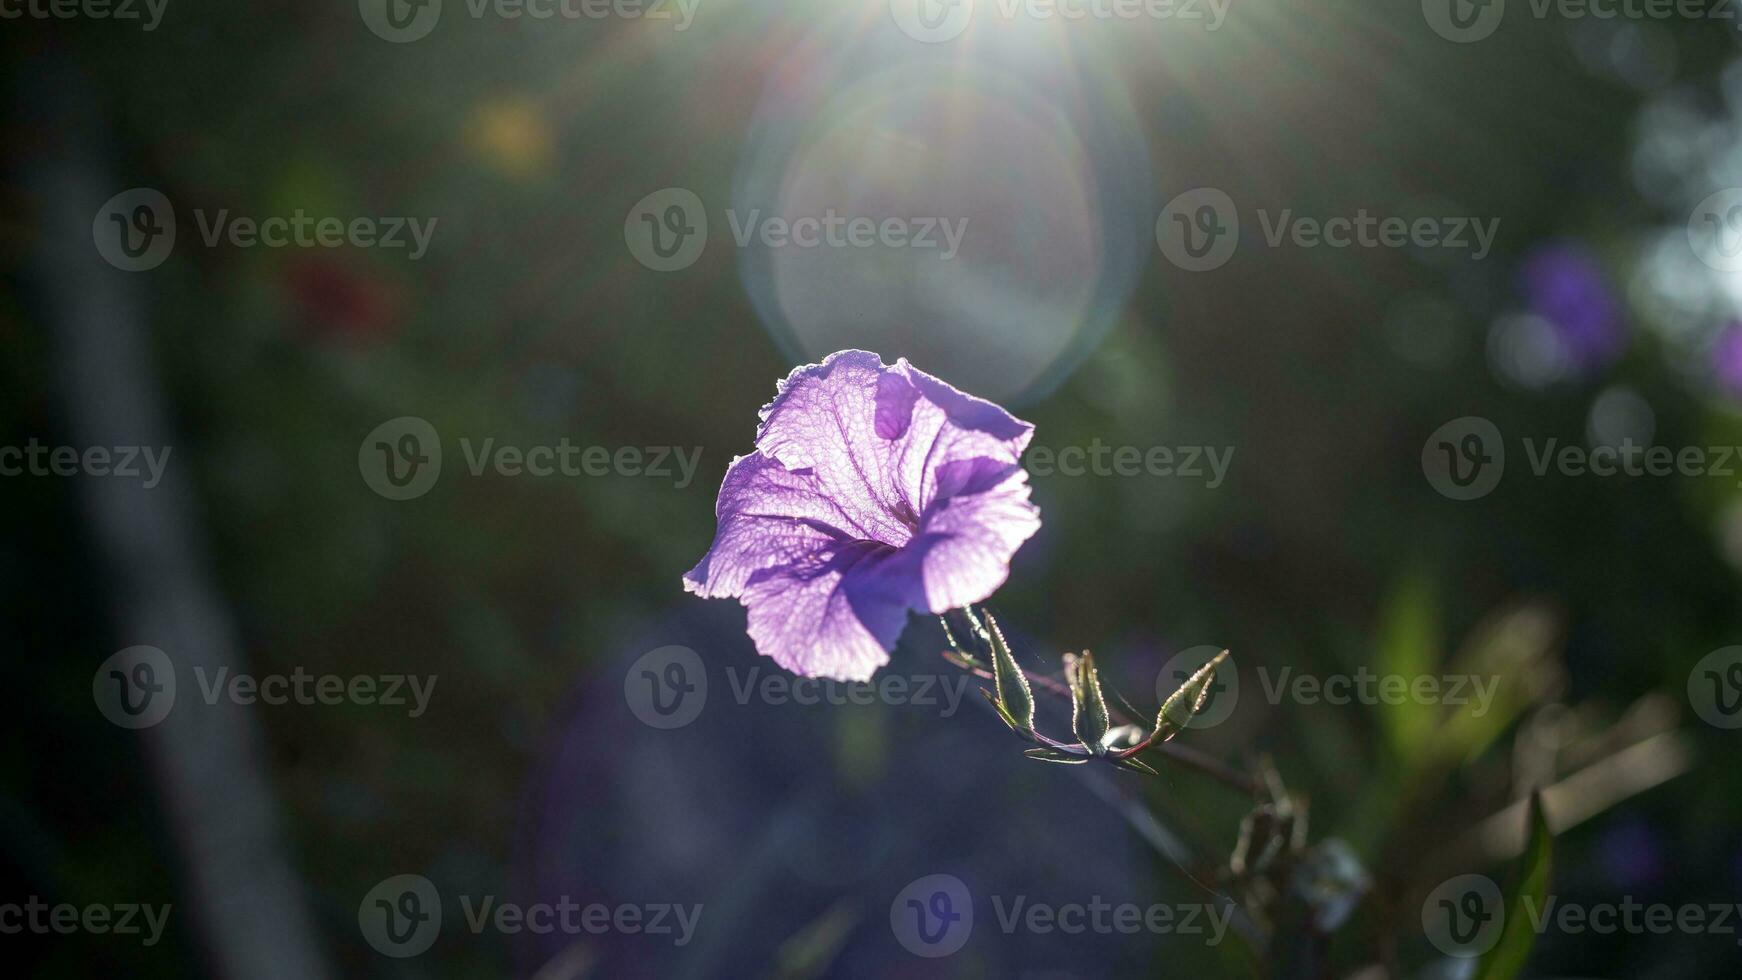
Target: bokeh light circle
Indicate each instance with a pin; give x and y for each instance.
(1037, 172)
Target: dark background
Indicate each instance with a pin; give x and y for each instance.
(530, 320)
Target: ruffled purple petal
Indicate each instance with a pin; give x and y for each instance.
(974, 531)
(768, 517)
(876, 435)
(836, 613)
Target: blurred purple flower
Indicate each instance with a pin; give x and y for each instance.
(1727, 360)
(1566, 285)
(1632, 855)
(873, 490)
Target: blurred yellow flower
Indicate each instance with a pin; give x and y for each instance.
(511, 136)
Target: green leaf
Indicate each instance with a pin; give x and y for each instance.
(1135, 764)
(1004, 714)
(1506, 960)
(1056, 755)
(1182, 705)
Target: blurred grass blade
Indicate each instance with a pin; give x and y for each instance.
(1506, 960)
(1408, 647)
(1513, 651)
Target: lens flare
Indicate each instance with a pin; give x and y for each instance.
(988, 217)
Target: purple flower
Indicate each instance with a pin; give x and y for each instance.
(873, 490)
(1727, 359)
(1566, 285)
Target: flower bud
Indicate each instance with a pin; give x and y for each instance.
(1015, 699)
(1089, 718)
(1182, 705)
